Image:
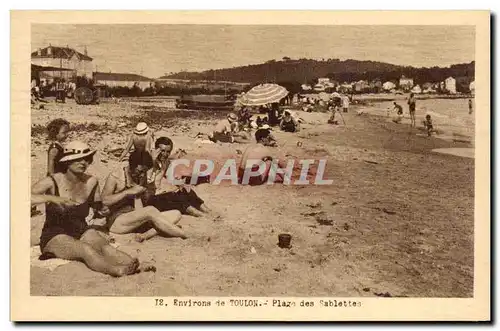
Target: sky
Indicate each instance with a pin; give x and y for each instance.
(154, 50)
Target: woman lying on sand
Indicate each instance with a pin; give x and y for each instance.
(68, 197)
(271, 157)
(126, 191)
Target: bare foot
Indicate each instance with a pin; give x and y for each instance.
(194, 212)
(125, 270)
(139, 237)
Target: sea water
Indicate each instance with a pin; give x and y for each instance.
(449, 116)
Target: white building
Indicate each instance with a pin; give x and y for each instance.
(306, 87)
(323, 81)
(63, 57)
(319, 87)
(387, 86)
(450, 85)
(113, 79)
(416, 89)
(405, 83)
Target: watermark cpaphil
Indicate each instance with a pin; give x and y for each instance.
(268, 171)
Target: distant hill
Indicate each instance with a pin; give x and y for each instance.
(307, 71)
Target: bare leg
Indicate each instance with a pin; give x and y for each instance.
(66, 247)
(173, 215)
(204, 208)
(127, 223)
(113, 255)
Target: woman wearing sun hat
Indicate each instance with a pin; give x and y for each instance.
(68, 197)
(141, 139)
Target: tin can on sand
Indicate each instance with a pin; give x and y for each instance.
(284, 240)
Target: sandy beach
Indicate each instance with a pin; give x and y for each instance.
(397, 221)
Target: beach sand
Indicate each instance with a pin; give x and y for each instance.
(398, 218)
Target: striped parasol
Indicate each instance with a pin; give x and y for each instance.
(263, 94)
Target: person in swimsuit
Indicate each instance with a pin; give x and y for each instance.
(142, 139)
(288, 123)
(126, 192)
(68, 197)
(412, 105)
(470, 106)
(58, 130)
(172, 197)
(399, 113)
(428, 125)
(264, 136)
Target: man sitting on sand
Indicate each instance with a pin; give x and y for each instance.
(224, 130)
(141, 139)
(126, 191)
(173, 197)
(264, 136)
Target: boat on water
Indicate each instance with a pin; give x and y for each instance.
(206, 102)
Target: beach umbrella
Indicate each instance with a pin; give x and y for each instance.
(324, 96)
(263, 94)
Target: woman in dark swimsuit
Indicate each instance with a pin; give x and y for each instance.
(68, 197)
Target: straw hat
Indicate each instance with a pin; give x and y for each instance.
(141, 128)
(266, 127)
(232, 117)
(76, 150)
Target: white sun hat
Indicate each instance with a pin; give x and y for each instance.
(76, 150)
(141, 128)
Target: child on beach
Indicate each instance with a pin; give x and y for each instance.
(141, 139)
(412, 105)
(58, 130)
(399, 113)
(428, 125)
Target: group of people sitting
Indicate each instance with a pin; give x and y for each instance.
(134, 198)
(235, 128)
(128, 202)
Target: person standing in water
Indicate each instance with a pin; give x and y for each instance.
(470, 106)
(412, 105)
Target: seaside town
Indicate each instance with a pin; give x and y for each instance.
(116, 211)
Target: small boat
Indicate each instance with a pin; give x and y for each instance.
(206, 102)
